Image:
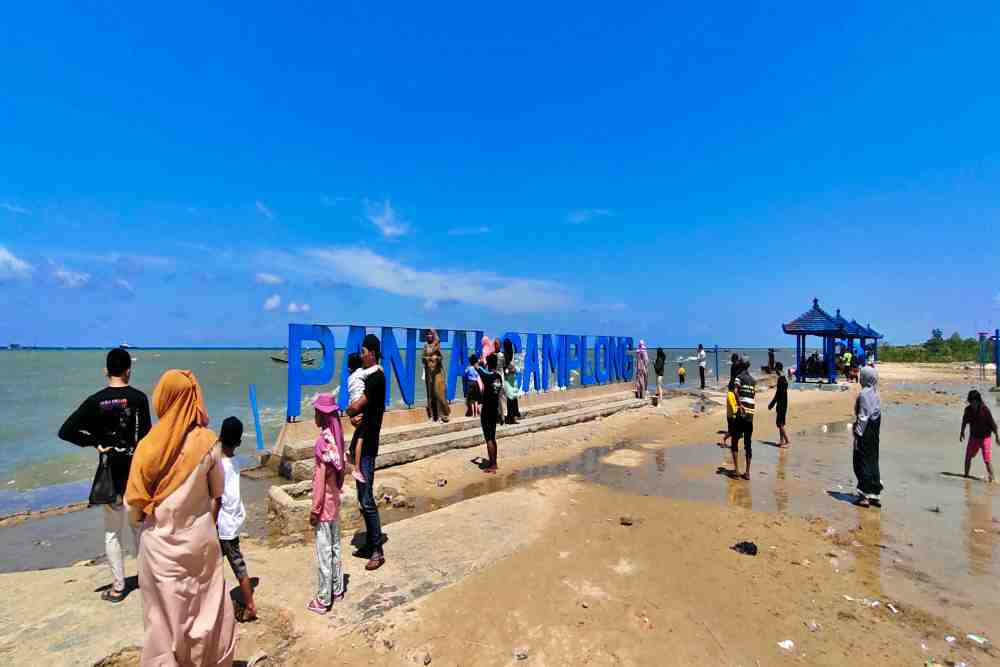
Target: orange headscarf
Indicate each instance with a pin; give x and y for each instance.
(172, 449)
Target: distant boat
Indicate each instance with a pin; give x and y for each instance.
(305, 358)
(15, 346)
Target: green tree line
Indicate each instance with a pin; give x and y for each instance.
(936, 349)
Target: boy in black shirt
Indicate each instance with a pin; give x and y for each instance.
(490, 414)
(113, 420)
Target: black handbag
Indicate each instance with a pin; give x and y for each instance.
(102, 492)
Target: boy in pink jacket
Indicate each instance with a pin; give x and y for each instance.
(328, 479)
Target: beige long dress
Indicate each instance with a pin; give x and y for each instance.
(188, 620)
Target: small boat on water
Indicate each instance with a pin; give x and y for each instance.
(306, 359)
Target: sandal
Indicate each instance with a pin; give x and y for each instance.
(316, 605)
(862, 502)
(243, 614)
(113, 596)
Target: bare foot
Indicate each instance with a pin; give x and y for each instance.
(745, 476)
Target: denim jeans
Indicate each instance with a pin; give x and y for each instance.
(369, 508)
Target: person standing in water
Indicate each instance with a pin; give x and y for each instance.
(434, 385)
(867, 424)
(981, 425)
(780, 401)
(113, 421)
(701, 363)
(746, 390)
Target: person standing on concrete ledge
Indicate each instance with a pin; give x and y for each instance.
(701, 363)
(641, 370)
(437, 403)
(366, 413)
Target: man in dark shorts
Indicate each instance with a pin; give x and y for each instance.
(113, 421)
(746, 389)
(490, 414)
(368, 412)
(780, 401)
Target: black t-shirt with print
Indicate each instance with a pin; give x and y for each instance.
(116, 417)
(492, 388)
(373, 412)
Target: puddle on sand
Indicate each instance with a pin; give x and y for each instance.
(934, 545)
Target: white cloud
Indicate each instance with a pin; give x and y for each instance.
(299, 307)
(469, 231)
(12, 266)
(507, 294)
(125, 286)
(272, 302)
(587, 214)
(14, 208)
(264, 210)
(268, 279)
(384, 216)
(70, 279)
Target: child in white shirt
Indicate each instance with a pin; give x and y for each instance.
(230, 515)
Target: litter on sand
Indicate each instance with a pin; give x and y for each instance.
(748, 548)
(893, 609)
(950, 639)
(976, 638)
(849, 598)
(788, 644)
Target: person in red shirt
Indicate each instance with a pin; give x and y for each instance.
(981, 426)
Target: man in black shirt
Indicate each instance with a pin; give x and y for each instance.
(113, 420)
(366, 413)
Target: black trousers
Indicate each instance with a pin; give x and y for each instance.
(701, 372)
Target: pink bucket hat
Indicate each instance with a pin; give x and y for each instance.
(325, 403)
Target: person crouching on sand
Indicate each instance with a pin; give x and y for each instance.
(981, 425)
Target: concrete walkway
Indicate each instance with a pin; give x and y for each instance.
(55, 617)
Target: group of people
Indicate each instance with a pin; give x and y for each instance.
(173, 487)
(659, 369)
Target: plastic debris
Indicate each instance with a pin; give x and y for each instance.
(849, 598)
(813, 626)
(788, 644)
(978, 530)
(950, 639)
(976, 638)
(748, 548)
(893, 609)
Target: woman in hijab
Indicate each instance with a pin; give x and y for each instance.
(501, 365)
(641, 370)
(867, 422)
(510, 388)
(487, 346)
(437, 402)
(175, 480)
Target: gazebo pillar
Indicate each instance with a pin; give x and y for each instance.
(831, 367)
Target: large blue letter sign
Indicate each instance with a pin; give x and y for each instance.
(531, 369)
(354, 337)
(298, 376)
(553, 360)
(456, 368)
(393, 362)
(601, 366)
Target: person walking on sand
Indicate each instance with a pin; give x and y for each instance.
(981, 425)
(746, 389)
(113, 421)
(492, 395)
(230, 515)
(176, 478)
(641, 369)
(702, 361)
(324, 514)
(368, 411)
(434, 384)
(780, 401)
(659, 364)
(867, 423)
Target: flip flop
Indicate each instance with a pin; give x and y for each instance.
(113, 596)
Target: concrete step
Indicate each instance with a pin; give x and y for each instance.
(301, 451)
(420, 448)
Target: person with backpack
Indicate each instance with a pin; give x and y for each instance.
(113, 421)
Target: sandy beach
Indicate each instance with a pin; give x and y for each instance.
(610, 542)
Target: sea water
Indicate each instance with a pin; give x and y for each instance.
(40, 388)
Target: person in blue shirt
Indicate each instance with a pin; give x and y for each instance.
(473, 386)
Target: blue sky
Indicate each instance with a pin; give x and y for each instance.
(190, 175)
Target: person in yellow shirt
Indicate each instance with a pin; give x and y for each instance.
(731, 408)
(681, 372)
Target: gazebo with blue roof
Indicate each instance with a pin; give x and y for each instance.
(814, 322)
(817, 322)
